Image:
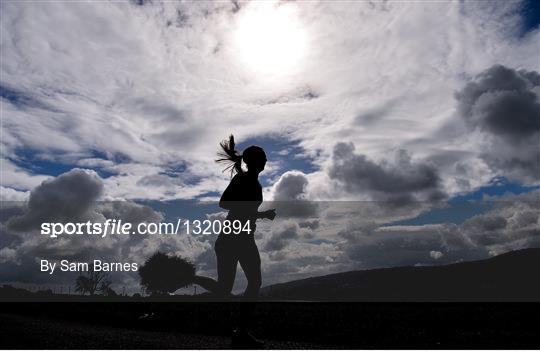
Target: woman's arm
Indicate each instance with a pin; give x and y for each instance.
(270, 214)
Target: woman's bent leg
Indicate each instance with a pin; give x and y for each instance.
(226, 267)
(207, 283)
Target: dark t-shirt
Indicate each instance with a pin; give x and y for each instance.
(242, 198)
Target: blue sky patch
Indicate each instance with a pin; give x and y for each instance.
(531, 15)
(30, 161)
(288, 153)
(21, 99)
(184, 209)
(462, 207)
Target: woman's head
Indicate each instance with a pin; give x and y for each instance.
(253, 156)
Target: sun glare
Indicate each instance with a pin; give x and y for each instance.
(270, 39)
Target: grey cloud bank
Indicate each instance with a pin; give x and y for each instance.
(504, 104)
(400, 181)
(338, 236)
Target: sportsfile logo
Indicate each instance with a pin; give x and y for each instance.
(119, 227)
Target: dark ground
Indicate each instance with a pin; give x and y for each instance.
(181, 325)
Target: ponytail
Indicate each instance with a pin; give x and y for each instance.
(230, 156)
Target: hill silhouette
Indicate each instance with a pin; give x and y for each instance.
(512, 276)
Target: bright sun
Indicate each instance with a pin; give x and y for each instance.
(270, 39)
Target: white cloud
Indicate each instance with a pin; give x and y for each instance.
(435, 254)
(19, 178)
(163, 83)
(75, 197)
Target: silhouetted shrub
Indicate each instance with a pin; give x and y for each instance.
(165, 274)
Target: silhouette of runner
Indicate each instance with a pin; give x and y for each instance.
(242, 199)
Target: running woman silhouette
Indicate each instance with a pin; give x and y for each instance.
(242, 199)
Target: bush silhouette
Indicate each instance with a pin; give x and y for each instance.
(162, 274)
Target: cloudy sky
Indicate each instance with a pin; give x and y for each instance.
(408, 116)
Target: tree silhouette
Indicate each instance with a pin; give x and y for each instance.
(90, 282)
(105, 288)
(82, 285)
